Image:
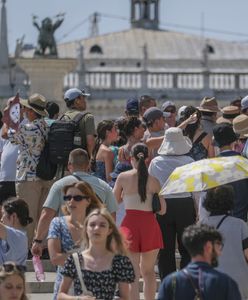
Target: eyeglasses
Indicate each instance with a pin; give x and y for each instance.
(10, 267)
(76, 198)
(219, 244)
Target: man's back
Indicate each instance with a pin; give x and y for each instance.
(102, 189)
(213, 284)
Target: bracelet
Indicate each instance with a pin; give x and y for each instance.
(37, 241)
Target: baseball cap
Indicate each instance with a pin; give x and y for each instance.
(244, 103)
(154, 113)
(73, 93)
(166, 104)
(224, 134)
(132, 105)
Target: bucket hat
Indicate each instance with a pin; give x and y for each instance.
(209, 104)
(228, 114)
(37, 103)
(175, 143)
(240, 125)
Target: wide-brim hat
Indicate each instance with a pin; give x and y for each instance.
(228, 114)
(240, 125)
(37, 103)
(209, 105)
(175, 143)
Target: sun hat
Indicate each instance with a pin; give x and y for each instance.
(152, 114)
(175, 143)
(209, 105)
(228, 114)
(240, 125)
(37, 103)
(74, 93)
(244, 103)
(224, 134)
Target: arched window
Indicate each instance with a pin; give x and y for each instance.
(96, 49)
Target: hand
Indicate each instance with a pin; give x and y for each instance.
(192, 119)
(36, 249)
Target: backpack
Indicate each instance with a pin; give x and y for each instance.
(198, 151)
(65, 135)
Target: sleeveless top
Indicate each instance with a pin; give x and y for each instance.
(133, 201)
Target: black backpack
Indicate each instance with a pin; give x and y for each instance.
(65, 135)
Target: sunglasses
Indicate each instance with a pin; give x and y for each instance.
(10, 267)
(75, 198)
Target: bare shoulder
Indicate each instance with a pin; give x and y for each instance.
(153, 184)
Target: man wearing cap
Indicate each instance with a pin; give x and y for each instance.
(169, 107)
(132, 107)
(75, 100)
(209, 109)
(180, 208)
(225, 138)
(31, 140)
(228, 114)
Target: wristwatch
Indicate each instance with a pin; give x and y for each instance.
(37, 241)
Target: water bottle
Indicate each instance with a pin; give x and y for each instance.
(38, 268)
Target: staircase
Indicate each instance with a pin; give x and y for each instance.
(44, 290)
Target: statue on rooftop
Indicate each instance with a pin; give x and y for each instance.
(46, 41)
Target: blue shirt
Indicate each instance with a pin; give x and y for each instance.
(14, 247)
(214, 284)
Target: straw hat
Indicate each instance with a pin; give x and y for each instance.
(228, 114)
(37, 103)
(175, 143)
(209, 104)
(240, 125)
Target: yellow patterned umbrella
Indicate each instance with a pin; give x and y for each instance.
(206, 174)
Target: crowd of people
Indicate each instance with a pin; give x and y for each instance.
(101, 219)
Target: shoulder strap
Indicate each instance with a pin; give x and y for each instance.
(200, 138)
(79, 117)
(221, 221)
(174, 285)
(79, 272)
(196, 290)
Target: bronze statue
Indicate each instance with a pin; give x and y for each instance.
(46, 38)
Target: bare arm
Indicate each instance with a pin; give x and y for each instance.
(90, 143)
(123, 290)
(118, 189)
(57, 258)
(246, 254)
(47, 214)
(207, 142)
(108, 160)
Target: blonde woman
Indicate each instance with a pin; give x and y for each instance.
(103, 263)
(65, 233)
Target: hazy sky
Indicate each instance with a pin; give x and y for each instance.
(176, 15)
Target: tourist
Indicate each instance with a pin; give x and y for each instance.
(12, 282)
(169, 108)
(104, 264)
(136, 189)
(199, 280)
(65, 233)
(13, 237)
(145, 102)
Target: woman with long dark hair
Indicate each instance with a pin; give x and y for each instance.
(102, 156)
(201, 141)
(136, 189)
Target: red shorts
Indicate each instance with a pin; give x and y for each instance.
(141, 230)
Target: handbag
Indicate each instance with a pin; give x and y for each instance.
(79, 272)
(156, 206)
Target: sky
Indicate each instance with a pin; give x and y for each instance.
(209, 18)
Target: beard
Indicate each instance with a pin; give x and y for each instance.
(214, 259)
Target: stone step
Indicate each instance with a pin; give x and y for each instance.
(36, 287)
(47, 266)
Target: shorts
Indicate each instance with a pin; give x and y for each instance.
(141, 231)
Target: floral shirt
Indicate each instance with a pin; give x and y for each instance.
(31, 140)
(101, 284)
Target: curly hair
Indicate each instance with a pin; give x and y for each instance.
(219, 200)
